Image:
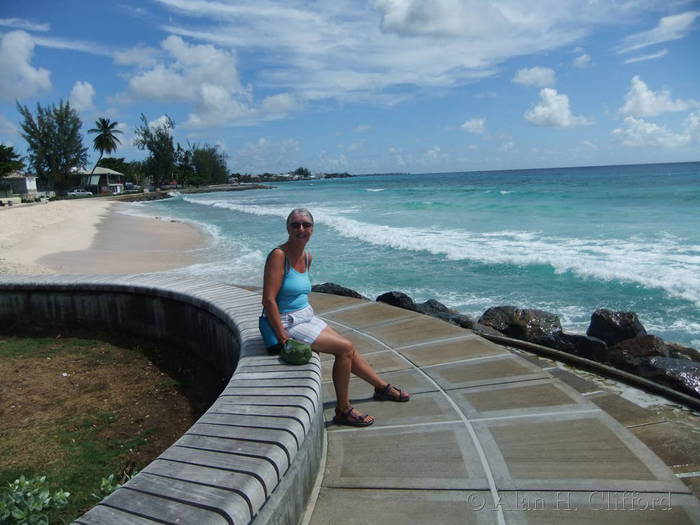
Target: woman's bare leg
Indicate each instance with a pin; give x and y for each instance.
(347, 359)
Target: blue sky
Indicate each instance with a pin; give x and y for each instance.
(374, 86)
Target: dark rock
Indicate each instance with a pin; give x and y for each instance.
(580, 345)
(683, 352)
(439, 310)
(613, 327)
(636, 352)
(336, 289)
(462, 320)
(399, 299)
(521, 323)
(432, 307)
(680, 374)
(653, 358)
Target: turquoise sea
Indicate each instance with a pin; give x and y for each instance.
(566, 240)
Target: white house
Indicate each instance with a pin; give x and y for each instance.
(102, 180)
(22, 184)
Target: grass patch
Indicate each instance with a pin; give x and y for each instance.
(77, 408)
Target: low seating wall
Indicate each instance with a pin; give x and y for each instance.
(254, 455)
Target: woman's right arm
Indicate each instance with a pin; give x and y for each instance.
(274, 275)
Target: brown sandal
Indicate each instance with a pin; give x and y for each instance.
(352, 418)
(384, 394)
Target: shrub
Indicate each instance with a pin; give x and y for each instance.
(28, 502)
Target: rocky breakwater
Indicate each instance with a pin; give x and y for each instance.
(613, 338)
(617, 339)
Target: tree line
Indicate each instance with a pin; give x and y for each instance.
(55, 150)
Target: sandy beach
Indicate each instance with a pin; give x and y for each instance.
(91, 236)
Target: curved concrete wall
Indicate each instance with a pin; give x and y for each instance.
(254, 455)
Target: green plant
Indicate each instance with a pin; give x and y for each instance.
(108, 485)
(28, 502)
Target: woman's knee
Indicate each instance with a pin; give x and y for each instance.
(345, 349)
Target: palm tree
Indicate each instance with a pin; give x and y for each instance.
(106, 141)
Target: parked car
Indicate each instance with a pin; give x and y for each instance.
(78, 192)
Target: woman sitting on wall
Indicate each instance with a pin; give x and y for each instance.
(285, 299)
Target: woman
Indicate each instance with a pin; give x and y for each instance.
(285, 299)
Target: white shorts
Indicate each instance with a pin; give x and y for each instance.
(303, 325)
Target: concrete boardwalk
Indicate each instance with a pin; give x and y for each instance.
(488, 437)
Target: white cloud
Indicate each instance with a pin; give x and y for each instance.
(582, 61)
(641, 133)
(669, 28)
(387, 50)
(355, 146)
(475, 126)
(140, 56)
(277, 106)
(362, 128)
(216, 106)
(19, 79)
(202, 74)
(397, 156)
(640, 101)
(160, 122)
(453, 18)
(20, 23)
(91, 48)
(433, 153)
(267, 155)
(126, 133)
(137, 12)
(535, 76)
(7, 127)
(335, 163)
(508, 147)
(553, 110)
(81, 96)
(644, 58)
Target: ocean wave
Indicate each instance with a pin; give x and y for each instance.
(374, 189)
(663, 263)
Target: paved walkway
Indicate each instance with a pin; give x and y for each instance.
(489, 436)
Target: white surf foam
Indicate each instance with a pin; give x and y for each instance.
(663, 263)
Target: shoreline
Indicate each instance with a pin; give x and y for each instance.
(93, 237)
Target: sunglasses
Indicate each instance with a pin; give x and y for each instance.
(297, 225)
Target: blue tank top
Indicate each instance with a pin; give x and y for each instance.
(295, 289)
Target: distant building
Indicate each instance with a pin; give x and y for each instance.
(22, 184)
(102, 180)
